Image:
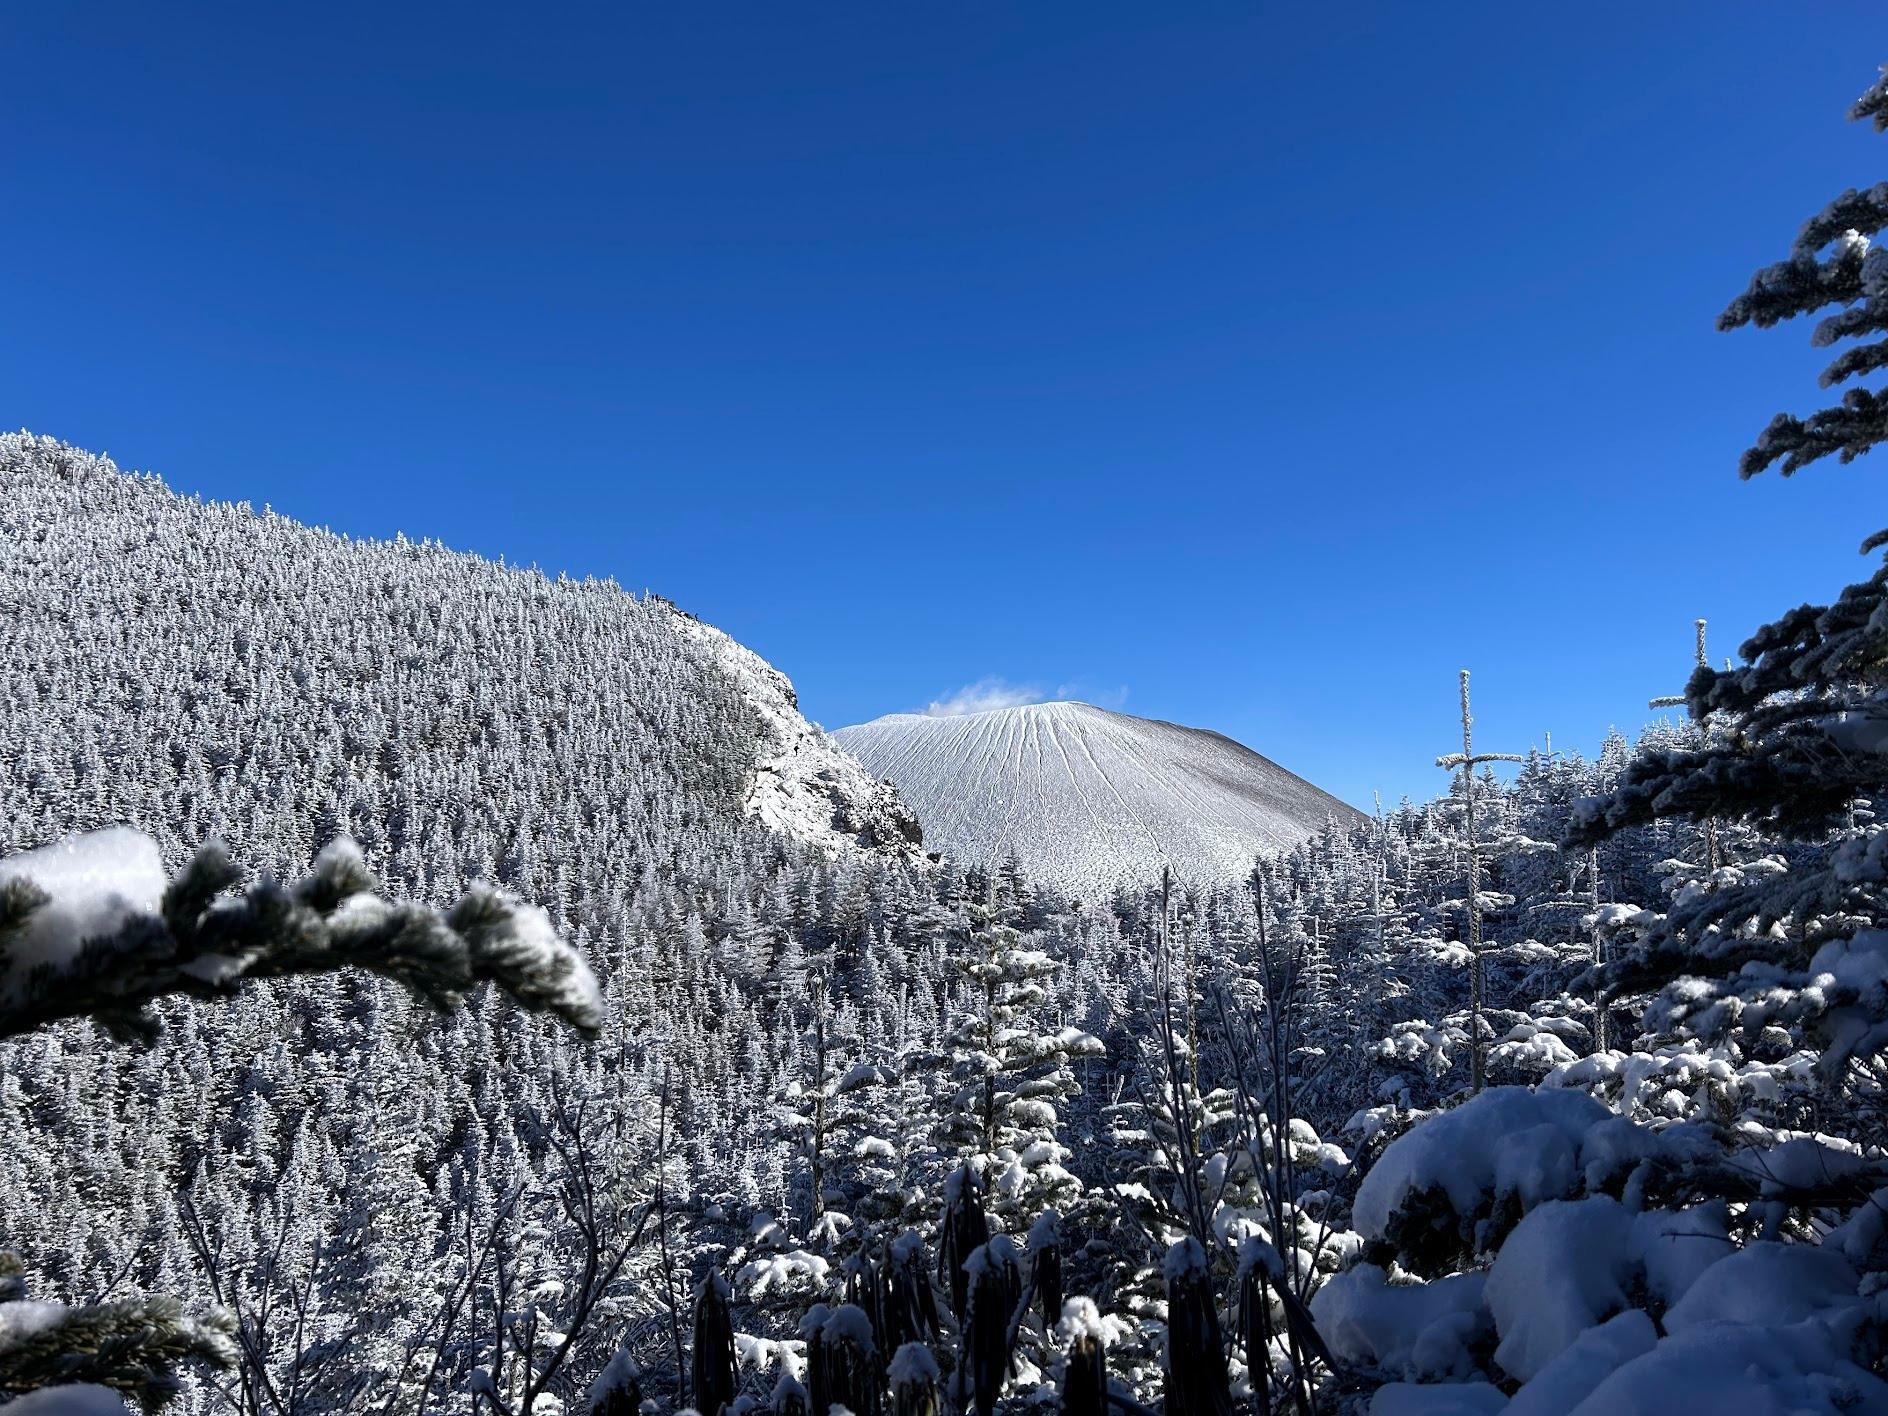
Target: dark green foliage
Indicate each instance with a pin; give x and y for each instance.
(622, 1398)
(984, 1357)
(914, 1381)
(843, 1362)
(1873, 104)
(1045, 1270)
(1832, 263)
(962, 1230)
(1786, 763)
(1084, 1389)
(818, 1381)
(907, 1304)
(1253, 1314)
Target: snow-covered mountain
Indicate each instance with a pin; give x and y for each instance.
(1087, 798)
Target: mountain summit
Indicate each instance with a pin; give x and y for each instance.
(1086, 798)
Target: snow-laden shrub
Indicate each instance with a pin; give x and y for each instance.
(1417, 1331)
(1449, 1187)
(1571, 1264)
(1799, 1370)
(1593, 1293)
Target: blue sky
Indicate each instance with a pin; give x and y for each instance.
(1251, 366)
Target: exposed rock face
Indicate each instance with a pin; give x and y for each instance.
(804, 783)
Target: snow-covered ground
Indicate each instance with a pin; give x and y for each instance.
(1086, 798)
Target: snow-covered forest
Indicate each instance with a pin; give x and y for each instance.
(428, 986)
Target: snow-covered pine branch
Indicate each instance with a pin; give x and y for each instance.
(1833, 262)
(90, 928)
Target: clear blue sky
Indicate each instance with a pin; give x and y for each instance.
(1250, 366)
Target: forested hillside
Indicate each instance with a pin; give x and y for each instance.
(204, 672)
(446, 711)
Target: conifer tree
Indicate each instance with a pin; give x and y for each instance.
(1012, 1069)
(1797, 742)
(1834, 262)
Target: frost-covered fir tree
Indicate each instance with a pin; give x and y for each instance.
(1834, 265)
(1011, 1068)
(838, 1112)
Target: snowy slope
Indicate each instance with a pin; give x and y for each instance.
(1087, 798)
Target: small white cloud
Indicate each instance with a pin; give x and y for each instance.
(982, 696)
